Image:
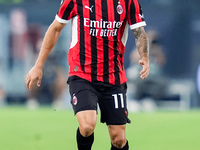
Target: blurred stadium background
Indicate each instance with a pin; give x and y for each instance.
(171, 107)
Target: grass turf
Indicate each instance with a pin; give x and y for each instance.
(49, 129)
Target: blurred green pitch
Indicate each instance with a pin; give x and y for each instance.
(49, 129)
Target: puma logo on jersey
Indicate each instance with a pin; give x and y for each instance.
(90, 8)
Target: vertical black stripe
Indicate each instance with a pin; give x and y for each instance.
(105, 43)
(126, 3)
(132, 13)
(116, 52)
(82, 34)
(68, 10)
(93, 44)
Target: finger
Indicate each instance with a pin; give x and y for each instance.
(27, 77)
(30, 85)
(145, 74)
(144, 69)
(27, 83)
(39, 82)
(27, 80)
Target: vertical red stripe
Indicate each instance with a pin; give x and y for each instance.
(110, 43)
(88, 59)
(128, 12)
(121, 47)
(100, 52)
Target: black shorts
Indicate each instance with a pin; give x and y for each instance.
(111, 99)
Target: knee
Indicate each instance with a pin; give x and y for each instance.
(87, 122)
(118, 142)
(117, 135)
(87, 129)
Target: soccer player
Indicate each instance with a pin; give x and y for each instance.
(96, 72)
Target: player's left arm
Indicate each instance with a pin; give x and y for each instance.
(143, 50)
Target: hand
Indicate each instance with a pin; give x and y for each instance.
(34, 75)
(144, 62)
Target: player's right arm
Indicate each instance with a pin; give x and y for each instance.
(50, 39)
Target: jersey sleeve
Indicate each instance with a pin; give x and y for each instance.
(66, 11)
(135, 15)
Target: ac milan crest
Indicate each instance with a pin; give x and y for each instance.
(119, 9)
(74, 100)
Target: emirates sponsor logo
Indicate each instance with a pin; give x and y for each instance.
(102, 23)
(102, 28)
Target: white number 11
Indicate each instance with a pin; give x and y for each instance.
(116, 100)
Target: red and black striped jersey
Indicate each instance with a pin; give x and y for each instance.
(99, 35)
